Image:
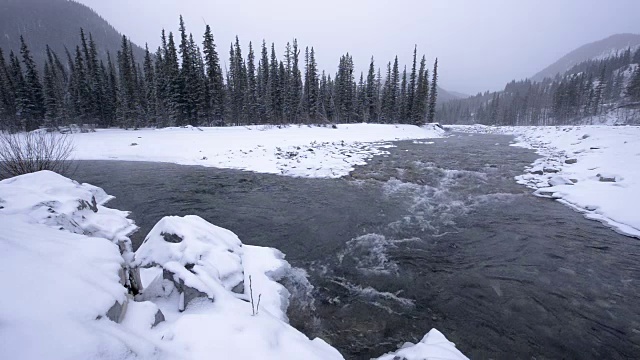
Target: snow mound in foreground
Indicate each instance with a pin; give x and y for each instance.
(58, 287)
(51, 199)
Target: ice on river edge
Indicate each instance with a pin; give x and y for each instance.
(63, 257)
(592, 169)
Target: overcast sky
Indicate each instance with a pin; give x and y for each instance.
(481, 44)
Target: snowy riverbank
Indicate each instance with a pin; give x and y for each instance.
(69, 273)
(593, 169)
(300, 151)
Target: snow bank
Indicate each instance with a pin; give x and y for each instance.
(304, 151)
(65, 296)
(593, 169)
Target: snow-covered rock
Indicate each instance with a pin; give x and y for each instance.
(204, 260)
(51, 199)
(197, 256)
(559, 180)
(434, 345)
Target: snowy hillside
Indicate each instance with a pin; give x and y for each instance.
(292, 151)
(598, 50)
(200, 293)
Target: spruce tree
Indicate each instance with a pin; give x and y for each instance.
(633, 89)
(401, 114)
(251, 108)
(433, 94)
(412, 84)
(7, 95)
(295, 85)
(150, 88)
(371, 94)
(215, 79)
(20, 91)
(33, 110)
(264, 90)
(314, 88)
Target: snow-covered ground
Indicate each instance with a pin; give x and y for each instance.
(300, 151)
(593, 169)
(66, 265)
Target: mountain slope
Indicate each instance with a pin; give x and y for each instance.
(446, 95)
(599, 49)
(56, 23)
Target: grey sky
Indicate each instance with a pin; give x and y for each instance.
(481, 44)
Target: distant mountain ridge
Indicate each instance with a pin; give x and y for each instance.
(446, 95)
(56, 23)
(601, 49)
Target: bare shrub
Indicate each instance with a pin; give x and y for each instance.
(23, 153)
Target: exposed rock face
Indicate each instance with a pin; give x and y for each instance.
(117, 312)
(571, 161)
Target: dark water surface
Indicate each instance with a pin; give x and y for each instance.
(432, 235)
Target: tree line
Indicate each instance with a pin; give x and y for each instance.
(183, 83)
(590, 89)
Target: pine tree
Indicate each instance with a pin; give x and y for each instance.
(264, 90)
(387, 107)
(7, 95)
(96, 87)
(295, 85)
(150, 88)
(274, 111)
(371, 94)
(433, 94)
(236, 83)
(215, 81)
(252, 114)
(361, 98)
(419, 106)
(633, 88)
(112, 91)
(33, 110)
(313, 88)
(401, 116)
(411, 91)
(173, 94)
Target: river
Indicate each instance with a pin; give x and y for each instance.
(435, 234)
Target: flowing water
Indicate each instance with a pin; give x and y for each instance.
(435, 234)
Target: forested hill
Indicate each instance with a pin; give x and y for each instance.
(596, 50)
(183, 84)
(56, 23)
(597, 91)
